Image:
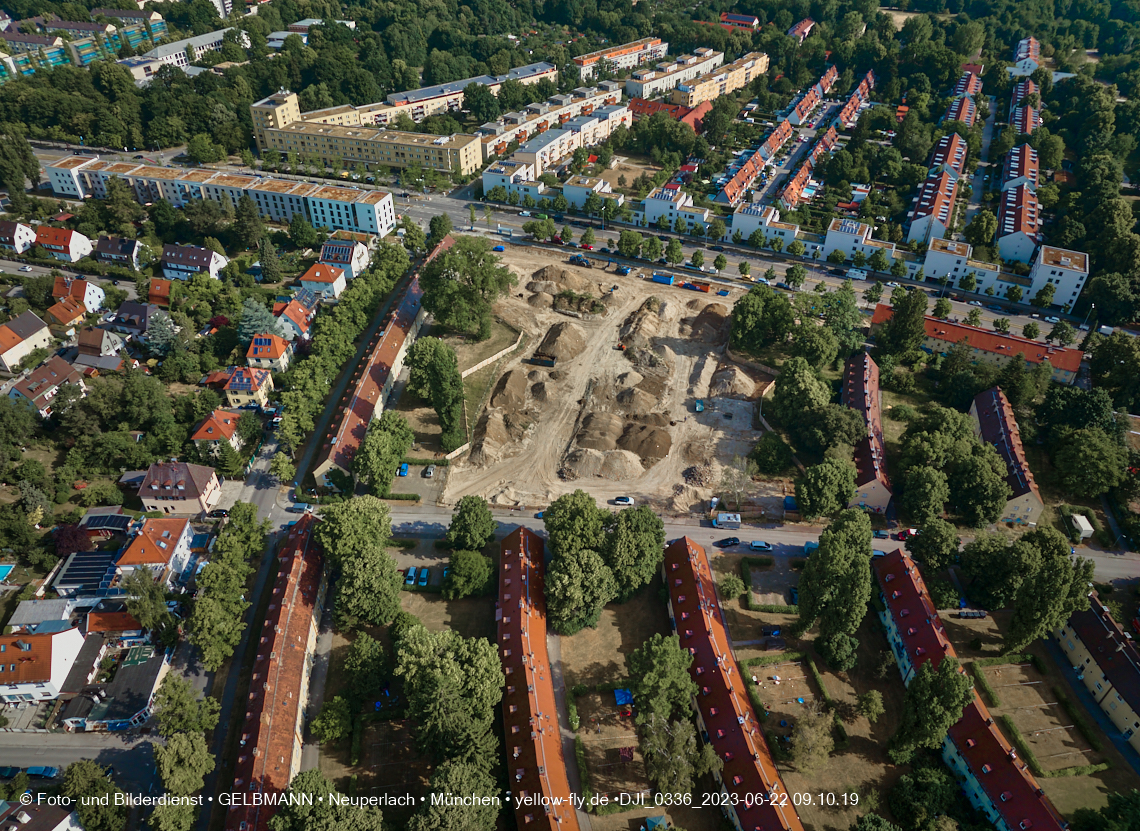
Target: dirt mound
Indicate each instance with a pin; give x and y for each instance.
(732, 382)
(536, 375)
(653, 419)
(637, 400)
(616, 465)
(700, 476)
(641, 326)
(543, 286)
(557, 375)
(710, 326)
(510, 392)
(541, 300)
(601, 431)
(651, 444)
(539, 392)
(629, 379)
(697, 452)
(563, 341)
(490, 436)
(565, 279)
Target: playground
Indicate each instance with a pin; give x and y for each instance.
(609, 736)
(785, 688)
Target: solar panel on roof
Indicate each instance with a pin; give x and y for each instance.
(110, 522)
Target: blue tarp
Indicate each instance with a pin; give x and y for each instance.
(623, 697)
(656, 822)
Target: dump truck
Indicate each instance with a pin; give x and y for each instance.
(699, 406)
(624, 270)
(698, 285)
(539, 359)
(663, 279)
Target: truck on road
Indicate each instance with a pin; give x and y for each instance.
(730, 521)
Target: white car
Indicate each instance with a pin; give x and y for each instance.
(1052, 319)
(893, 285)
(26, 268)
(974, 303)
(623, 500)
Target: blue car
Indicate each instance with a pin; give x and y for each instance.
(410, 579)
(424, 574)
(498, 248)
(403, 470)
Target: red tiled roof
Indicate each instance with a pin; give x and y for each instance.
(695, 117)
(1025, 120)
(50, 235)
(155, 542)
(272, 348)
(67, 311)
(733, 729)
(159, 291)
(1018, 212)
(69, 287)
(535, 765)
(936, 197)
(962, 109)
(246, 378)
(220, 424)
(950, 150)
(1028, 47)
(1062, 358)
(968, 84)
(271, 732)
(998, 427)
(340, 446)
(31, 665)
(860, 392)
(112, 622)
(296, 313)
(1022, 162)
(321, 273)
(1005, 779)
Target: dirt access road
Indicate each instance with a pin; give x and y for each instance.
(610, 421)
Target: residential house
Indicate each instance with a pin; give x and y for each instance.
(62, 244)
(861, 393)
(102, 523)
(724, 710)
(85, 573)
(21, 336)
(181, 262)
(29, 614)
(270, 752)
(933, 210)
(348, 252)
(534, 743)
(996, 425)
(990, 347)
(133, 318)
(578, 189)
(127, 700)
(1067, 271)
(1108, 664)
(118, 624)
(668, 203)
(270, 352)
(802, 29)
(219, 427)
(42, 384)
(160, 547)
(1019, 224)
(66, 313)
(16, 236)
(297, 315)
(86, 292)
(159, 292)
(33, 667)
(247, 385)
(38, 817)
(180, 488)
(995, 781)
(119, 251)
(1026, 57)
(324, 280)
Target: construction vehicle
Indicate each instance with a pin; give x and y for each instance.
(578, 259)
(624, 270)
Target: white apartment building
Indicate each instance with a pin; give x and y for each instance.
(577, 190)
(182, 53)
(602, 101)
(954, 260)
(332, 206)
(671, 202)
(666, 75)
(513, 176)
(626, 56)
(749, 218)
(1067, 271)
(852, 237)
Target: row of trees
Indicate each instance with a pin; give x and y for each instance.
(386, 442)
(183, 758)
(471, 529)
(433, 374)
(354, 536)
(599, 556)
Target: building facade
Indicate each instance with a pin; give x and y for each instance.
(180, 488)
(727, 79)
(996, 425)
(666, 75)
(861, 393)
(617, 58)
(33, 667)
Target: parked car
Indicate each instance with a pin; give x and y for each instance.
(300, 508)
(996, 308)
(25, 268)
(42, 772)
(794, 591)
(410, 577)
(429, 471)
(905, 534)
(524, 213)
(784, 286)
(9, 773)
(403, 471)
(727, 542)
(882, 535)
(499, 248)
(587, 247)
(218, 513)
(623, 500)
(974, 303)
(760, 545)
(424, 574)
(1052, 319)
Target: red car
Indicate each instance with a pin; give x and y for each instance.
(906, 534)
(587, 247)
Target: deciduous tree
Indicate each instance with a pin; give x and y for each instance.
(178, 709)
(934, 702)
(183, 762)
(936, 544)
(660, 680)
(633, 548)
(87, 784)
(349, 528)
(826, 488)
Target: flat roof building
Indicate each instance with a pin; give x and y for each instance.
(722, 81)
(625, 56)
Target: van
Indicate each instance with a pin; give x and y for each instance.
(856, 274)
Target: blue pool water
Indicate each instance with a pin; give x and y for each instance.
(4, 572)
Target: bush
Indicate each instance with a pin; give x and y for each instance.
(901, 412)
(403, 497)
(772, 455)
(783, 657)
(403, 544)
(983, 684)
(944, 595)
(1077, 714)
(1022, 745)
(731, 587)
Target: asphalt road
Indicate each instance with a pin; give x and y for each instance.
(130, 754)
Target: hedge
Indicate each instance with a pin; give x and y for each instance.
(797, 563)
(1079, 770)
(757, 562)
(357, 739)
(772, 607)
(1079, 719)
(352, 786)
(819, 681)
(572, 714)
(768, 660)
(411, 460)
(583, 769)
(403, 543)
(1022, 745)
(403, 497)
(1012, 658)
(983, 684)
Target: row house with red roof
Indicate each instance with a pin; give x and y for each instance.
(16, 236)
(996, 425)
(1026, 57)
(62, 244)
(1019, 223)
(862, 94)
(724, 710)
(1021, 168)
(962, 109)
(1024, 120)
(737, 187)
(968, 84)
(860, 392)
(995, 780)
(933, 212)
(792, 193)
(89, 294)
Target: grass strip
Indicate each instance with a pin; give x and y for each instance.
(1080, 719)
(783, 657)
(583, 769)
(404, 544)
(1078, 770)
(772, 607)
(983, 684)
(1022, 745)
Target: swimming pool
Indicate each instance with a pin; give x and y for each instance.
(5, 571)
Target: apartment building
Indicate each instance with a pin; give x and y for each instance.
(560, 111)
(1108, 664)
(996, 425)
(969, 84)
(801, 30)
(530, 721)
(933, 211)
(724, 710)
(995, 781)
(62, 244)
(617, 58)
(1025, 120)
(578, 189)
(853, 237)
(550, 148)
(949, 155)
(1067, 271)
(749, 218)
(182, 53)
(1021, 168)
(671, 203)
(1019, 224)
(721, 81)
(513, 176)
(153, 21)
(991, 347)
(740, 21)
(954, 260)
(335, 207)
(861, 393)
(666, 75)
(1026, 57)
(33, 667)
(962, 109)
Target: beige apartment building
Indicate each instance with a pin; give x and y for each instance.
(369, 146)
(723, 81)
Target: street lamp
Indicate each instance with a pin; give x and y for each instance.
(1092, 306)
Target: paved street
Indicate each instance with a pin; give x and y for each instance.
(130, 754)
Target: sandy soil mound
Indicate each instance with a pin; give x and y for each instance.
(490, 436)
(601, 431)
(629, 379)
(710, 326)
(543, 286)
(651, 444)
(617, 465)
(565, 279)
(539, 392)
(541, 300)
(640, 328)
(510, 392)
(732, 382)
(637, 400)
(564, 341)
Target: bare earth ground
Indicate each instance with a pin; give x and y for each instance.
(614, 422)
(391, 764)
(604, 733)
(597, 655)
(471, 617)
(1024, 704)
